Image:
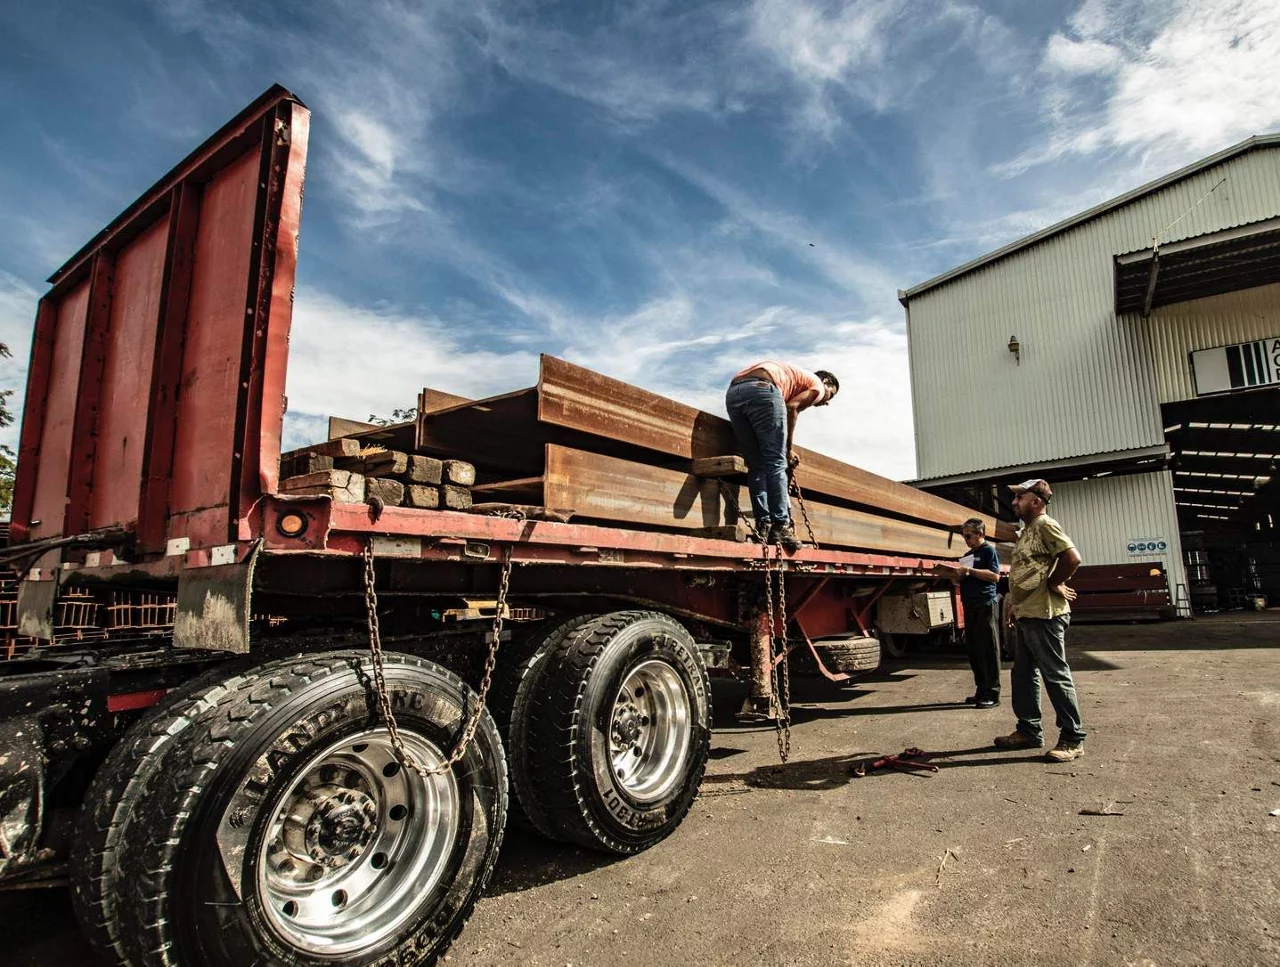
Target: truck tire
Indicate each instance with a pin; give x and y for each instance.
(852, 654)
(513, 689)
(615, 733)
(111, 801)
(893, 645)
(282, 829)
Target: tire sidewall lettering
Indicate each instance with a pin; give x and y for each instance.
(242, 787)
(624, 815)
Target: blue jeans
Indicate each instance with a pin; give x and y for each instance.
(1042, 649)
(759, 418)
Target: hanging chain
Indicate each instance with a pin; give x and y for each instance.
(783, 668)
(794, 489)
(727, 492)
(380, 681)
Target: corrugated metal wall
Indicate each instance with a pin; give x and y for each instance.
(1103, 515)
(1087, 380)
(1174, 332)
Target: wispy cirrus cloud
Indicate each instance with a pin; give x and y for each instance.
(877, 54)
(1158, 83)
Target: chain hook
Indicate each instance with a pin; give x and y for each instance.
(381, 694)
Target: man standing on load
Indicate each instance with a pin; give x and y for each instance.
(763, 402)
(1038, 608)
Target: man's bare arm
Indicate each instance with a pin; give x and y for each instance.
(1064, 565)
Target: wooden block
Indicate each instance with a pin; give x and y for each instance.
(301, 462)
(390, 492)
(343, 486)
(425, 498)
(411, 468)
(455, 498)
(739, 532)
(426, 470)
(459, 472)
(385, 463)
(342, 447)
(723, 466)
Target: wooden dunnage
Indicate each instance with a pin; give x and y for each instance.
(610, 489)
(578, 399)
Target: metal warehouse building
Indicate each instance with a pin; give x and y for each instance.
(1131, 356)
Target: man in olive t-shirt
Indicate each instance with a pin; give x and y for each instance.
(1038, 608)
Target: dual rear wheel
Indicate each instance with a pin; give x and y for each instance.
(265, 817)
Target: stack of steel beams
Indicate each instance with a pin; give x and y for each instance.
(610, 452)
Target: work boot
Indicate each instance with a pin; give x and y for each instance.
(784, 533)
(1065, 751)
(1017, 740)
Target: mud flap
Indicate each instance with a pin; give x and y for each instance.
(214, 606)
(21, 792)
(36, 600)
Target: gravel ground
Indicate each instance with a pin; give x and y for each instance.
(988, 861)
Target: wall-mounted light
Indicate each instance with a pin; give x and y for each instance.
(1015, 347)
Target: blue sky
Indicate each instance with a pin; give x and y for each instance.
(664, 191)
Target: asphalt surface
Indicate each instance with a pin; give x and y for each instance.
(989, 861)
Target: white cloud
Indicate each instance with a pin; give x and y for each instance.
(869, 422)
(17, 319)
(1081, 56)
(638, 65)
(1197, 79)
(825, 50)
(353, 361)
(880, 53)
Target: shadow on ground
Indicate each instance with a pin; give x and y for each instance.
(529, 860)
(832, 772)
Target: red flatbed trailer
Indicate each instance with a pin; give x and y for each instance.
(231, 793)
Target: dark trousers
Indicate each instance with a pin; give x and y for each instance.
(1042, 650)
(984, 648)
(759, 418)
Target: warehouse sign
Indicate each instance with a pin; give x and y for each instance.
(1227, 368)
(1147, 545)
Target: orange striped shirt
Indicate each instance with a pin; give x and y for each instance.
(790, 380)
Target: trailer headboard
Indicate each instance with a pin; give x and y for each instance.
(155, 394)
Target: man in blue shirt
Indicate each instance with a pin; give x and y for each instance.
(978, 575)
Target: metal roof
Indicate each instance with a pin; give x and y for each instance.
(1225, 261)
(1257, 141)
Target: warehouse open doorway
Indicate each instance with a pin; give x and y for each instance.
(1226, 471)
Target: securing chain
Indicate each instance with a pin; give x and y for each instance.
(382, 695)
(731, 500)
(794, 489)
(779, 669)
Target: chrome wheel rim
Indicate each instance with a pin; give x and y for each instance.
(354, 843)
(649, 730)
